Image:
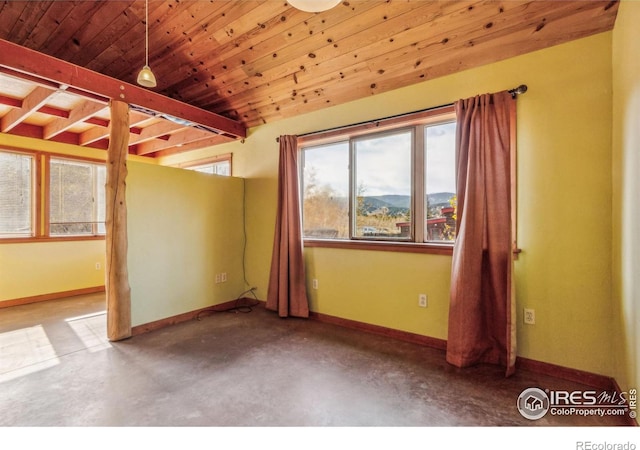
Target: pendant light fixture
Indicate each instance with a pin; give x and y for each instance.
(313, 5)
(146, 77)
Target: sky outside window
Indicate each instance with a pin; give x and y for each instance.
(326, 191)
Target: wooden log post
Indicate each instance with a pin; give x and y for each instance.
(117, 276)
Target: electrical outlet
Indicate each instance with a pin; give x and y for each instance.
(422, 300)
(529, 316)
(314, 283)
(98, 266)
(218, 278)
(223, 277)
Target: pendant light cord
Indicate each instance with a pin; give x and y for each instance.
(146, 23)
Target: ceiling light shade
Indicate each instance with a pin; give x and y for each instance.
(146, 77)
(313, 5)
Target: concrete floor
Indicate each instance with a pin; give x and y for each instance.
(235, 369)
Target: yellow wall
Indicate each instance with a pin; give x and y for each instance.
(626, 194)
(184, 227)
(31, 269)
(564, 272)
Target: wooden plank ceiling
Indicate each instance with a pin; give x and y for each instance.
(258, 61)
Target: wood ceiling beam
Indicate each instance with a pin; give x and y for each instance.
(10, 101)
(177, 139)
(138, 119)
(93, 135)
(31, 103)
(210, 142)
(49, 110)
(38, 81)
(31, 62)
(35, 131)
(155, 131)
(82, 112)
(102, 132)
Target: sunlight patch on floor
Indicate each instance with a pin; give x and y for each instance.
(25, 351)
(91, 329)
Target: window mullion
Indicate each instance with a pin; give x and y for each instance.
(46, 196)
(301, 186)
(94, 194)
(418, 214)
(353, 189)
(36, 195)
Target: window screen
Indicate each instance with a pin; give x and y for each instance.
(76, 198)
(16, 194)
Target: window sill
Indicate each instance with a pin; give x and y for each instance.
(386, 246)
(28, 240)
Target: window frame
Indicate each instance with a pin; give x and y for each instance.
(95, 224)
(35, 198)
(41, 193)
(353, 184)
(209, 160)
(415, 121)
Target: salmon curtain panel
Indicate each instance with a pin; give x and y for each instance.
(287, 293)
(482, 308)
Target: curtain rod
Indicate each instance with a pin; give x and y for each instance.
(515, 91)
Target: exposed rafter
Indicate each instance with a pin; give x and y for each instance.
(30, 62)
(177, 139)
(76, 102)
(84, 111)
(34, 101)
(156, 130)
